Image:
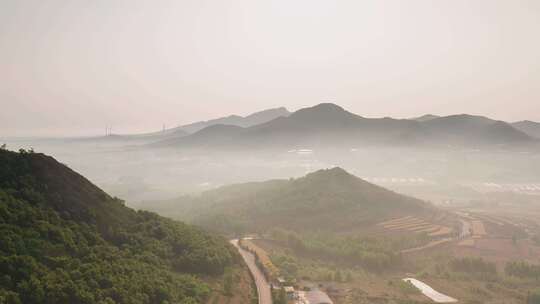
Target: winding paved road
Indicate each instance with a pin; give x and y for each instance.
(263, 288)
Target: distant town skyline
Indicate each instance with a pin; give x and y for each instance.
(76, 67)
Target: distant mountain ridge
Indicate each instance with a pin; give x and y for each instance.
(468, 129)
(134, 139)
(236, 120)
(425, 117)
(532, 128)
(328, 124)
(184, 130)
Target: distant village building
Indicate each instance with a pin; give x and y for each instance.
(289, 291)
(317, 297)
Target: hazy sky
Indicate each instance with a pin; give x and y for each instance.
(72, 67)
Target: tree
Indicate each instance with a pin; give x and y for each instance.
(536, 239)
(533, 297)
(3, 147)
(338, 277)
(228, 282)
(51, 253)
(281, 297)
(522, 269)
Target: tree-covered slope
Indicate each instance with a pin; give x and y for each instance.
(63, 240)
(326, 200)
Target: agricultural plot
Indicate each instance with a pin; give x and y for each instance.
(430, 229)
(400, 222)
(443, 231)
(467, 243)
(413, 226)
(494, 220)
(478, 229)
(416, 225)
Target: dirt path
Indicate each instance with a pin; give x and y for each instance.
(429, 245)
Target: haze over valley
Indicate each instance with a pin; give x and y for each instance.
(270, 152)
(438, 159)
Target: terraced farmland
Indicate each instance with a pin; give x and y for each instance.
(478, 229)
(416, 225)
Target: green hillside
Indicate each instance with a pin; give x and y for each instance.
(63, 240)
(327, 201)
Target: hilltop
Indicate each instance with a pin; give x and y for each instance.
(63, 240)
(326, 200)
(425, 117)
(467, 129)
(530, 127)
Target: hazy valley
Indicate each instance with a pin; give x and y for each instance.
(469, 188)
(269, 152)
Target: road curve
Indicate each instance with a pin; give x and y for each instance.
(429, 292)
(263, 287)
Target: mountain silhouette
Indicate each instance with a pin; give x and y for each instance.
(530, 127)
(329, 125)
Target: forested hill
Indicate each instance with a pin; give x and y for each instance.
(63, 240)
(329, 200)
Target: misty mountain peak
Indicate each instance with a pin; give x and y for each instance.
(281, 111)
(426, 117)
(460, 121)
(526, 123)
(531, 128)
(332, 173)
(326, 107)
(323, 114)
(237, 120)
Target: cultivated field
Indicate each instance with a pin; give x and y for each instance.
(478, 229)
(416, 225)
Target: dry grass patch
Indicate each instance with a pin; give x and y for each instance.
(478, 228)
(467, 243)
